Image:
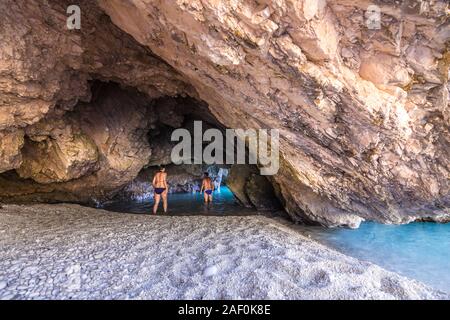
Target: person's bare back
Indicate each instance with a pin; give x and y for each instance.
(160, 188)
(208, 187)
(159, 181)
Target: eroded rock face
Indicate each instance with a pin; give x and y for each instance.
(363, 114)
(252, 189)
(45, 74)
(45, 68)
(11, 144)
(239, 175)
(60, 160)
(361, 137)
(90, 152)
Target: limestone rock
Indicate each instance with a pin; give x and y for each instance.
(161, 149)
(385, 70)
(261, 194)
(337, 129)
(59, 160)
(88, 153)
(360, 137)
(11, 144)
(44, 66)
(252, 189)
(237, 181)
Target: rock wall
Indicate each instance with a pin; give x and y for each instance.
(72, 139)
(252, 189)
(363, 114)
(89, 152)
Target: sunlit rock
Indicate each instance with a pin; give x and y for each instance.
(363, 114)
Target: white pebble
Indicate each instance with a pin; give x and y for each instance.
(210, 271)
(3, 285)
(9, 296)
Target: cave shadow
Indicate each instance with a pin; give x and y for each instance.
(245, 190)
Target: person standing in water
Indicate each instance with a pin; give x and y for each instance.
(208, 187)
(161, 189)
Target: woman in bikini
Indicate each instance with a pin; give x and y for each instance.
(208, 187)
(161, 189)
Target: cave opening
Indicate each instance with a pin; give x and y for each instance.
(239, 188)
(105, 151)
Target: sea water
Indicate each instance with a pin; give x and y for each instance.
(419, 250)
(187, 204)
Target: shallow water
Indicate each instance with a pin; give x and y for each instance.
(187, 204)
(418, 250)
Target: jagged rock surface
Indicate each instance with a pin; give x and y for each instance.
(96, 149)
(252, 189)
(354, 144)
(363, 114)
(73, 143)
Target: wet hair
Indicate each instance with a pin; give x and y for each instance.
(206, 174)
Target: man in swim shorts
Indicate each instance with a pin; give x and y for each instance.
(208, 187)
(160, 188)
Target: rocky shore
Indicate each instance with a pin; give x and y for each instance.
(73, 252)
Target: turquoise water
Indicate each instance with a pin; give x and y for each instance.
(418, 250)
(187, 204)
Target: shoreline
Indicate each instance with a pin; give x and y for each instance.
(69, 251)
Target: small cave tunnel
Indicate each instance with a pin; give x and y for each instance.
(105, 151)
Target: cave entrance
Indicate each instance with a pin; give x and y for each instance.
(104, 151)
(183, 202)
(239, 189)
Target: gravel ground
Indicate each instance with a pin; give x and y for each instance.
(73, 252)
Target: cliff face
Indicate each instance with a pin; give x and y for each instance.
(363, 114)
(72, 138)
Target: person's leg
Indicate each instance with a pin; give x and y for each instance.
(210, 197)
(155, 206)
(205, 195)
(164, 197)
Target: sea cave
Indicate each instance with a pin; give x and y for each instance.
(92, 91)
